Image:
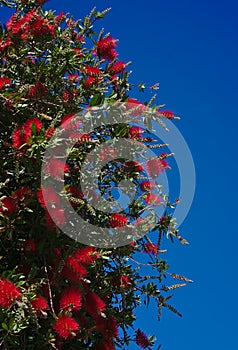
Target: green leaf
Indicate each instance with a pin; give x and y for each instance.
(4, 326)
(97, 99)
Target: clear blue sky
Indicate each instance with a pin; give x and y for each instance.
(191, 48)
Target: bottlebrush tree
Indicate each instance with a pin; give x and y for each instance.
(56, 293)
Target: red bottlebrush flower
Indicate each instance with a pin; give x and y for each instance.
(105, 48)
(56, 168)
(74, 78)
(166, 114)
(117, 68)
(59, 18)
(22, 133)
(49, 132)
(65, 326)
(78, 52)
(132, 166)
(23, 193)
(94, 305)
(153, 199)
(71, 298)
(151, 248)
(29, 247)
(125, 281)
(70, 275)
(79, 38)
(38, 27)
(8, 293)
(4, 81)
(147, 186)
(37, 90)
(8, 206)
(87, 255)
(118, 220)
(92, 71)
(74, 265)
(156, 166)
(39, 304)
(32, 124)
(12, 22)
(50, 196)
(78, 269)
(135, 131)
(90, 81)
(142, 340)
(66, 95)
(18, 137)
(8, 105)
(6, 43)
(107, 43)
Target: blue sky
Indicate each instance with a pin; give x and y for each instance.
(191, 49)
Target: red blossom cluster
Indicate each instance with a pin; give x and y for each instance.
(106, 48)
(146, 186)
(10, 205)
(31, 24)
(80, 297)
(132, 167)
(142, 340)
(4, 81)
(151, 248)
(66, 326)
(166, 114)
(39, 305)
(123, 281)
(71, 299)
(118, 220)
(135, 132)
(37, 90)
(8, 293)
(155, 166)
(52, 199)
(117, 68)
(56, 168)
(23, 133)
(93, 76)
